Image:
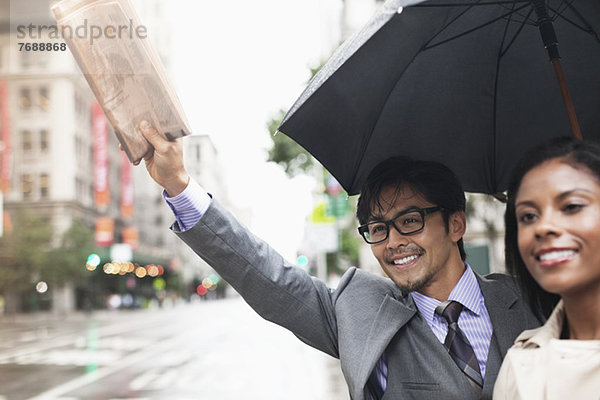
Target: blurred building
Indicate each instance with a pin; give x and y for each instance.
(152, 215)
(47, 151)
(60, 158)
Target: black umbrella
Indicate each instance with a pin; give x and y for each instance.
(463, 82)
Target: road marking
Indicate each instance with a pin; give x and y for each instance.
(165, 380)
(70, 339)
(141, 381)
(100, 373)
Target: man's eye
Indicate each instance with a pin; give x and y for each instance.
(377, 228)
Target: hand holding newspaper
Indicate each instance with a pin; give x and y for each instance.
(122, 69)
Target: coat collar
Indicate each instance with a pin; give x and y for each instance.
(507, 319)
(398, 308)
(394, 313)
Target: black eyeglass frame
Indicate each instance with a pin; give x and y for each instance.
(423, 211)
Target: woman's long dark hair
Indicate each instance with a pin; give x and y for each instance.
(573, 152)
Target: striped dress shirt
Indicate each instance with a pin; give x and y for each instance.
(474, 320)
(189, 205)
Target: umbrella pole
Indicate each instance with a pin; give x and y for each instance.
(551, 44)
(564, 90)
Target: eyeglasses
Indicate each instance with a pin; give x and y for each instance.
(408, 222)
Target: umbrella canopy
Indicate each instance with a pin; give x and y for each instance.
(464, 82)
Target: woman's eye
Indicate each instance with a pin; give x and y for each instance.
(526, 218)
(573, 207)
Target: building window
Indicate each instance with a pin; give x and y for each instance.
(27, 185)
(44, 186)
(26, 59)
(44, 140)
(26, 141)
(43, 98)
(31, 59)
(25, 98)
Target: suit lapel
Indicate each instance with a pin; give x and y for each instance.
(507, 319)
(392, 315)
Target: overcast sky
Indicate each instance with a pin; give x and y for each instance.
(238, 62)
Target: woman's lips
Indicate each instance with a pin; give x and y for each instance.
(552, 257)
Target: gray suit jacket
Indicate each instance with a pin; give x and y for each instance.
(355, 322)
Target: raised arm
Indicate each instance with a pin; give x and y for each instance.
(276, 289)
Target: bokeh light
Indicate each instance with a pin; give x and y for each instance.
(201, 290)
(41, 287)
(108, 268)
(152, 270)
(140, 272)
(93, 261)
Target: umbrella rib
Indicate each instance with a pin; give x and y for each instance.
(503, 52)
(475, 28)
(478, 3)
(587, 28)
(494, 128)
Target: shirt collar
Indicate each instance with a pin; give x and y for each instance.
(550, 330)
(466, 292)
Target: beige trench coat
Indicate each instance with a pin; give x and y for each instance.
(541, 366)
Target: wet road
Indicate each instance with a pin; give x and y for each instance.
(217, 350)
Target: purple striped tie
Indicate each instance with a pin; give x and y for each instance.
(457, 343)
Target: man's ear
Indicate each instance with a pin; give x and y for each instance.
(457, 225)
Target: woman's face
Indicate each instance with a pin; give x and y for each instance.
(558, 220)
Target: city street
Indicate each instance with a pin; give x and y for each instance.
(217, 350)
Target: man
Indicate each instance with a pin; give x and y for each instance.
(433, 330)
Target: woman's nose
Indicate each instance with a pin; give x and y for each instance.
(547, 224)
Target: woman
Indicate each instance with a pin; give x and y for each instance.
(553, 247)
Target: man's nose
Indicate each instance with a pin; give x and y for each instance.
(395, 238)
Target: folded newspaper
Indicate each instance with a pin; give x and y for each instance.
(123, 70)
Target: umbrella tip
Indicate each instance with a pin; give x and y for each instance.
(500, 196)
(276, 132)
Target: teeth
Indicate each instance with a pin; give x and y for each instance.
(556, 255)
(405, 260)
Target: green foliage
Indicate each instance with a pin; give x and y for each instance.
(68, 260)
(24, 251)
(350, 245)
(27, 256)
(286, 152)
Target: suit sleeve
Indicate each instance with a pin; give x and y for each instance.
(279, 291)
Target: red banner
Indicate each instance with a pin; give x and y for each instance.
(100, 143)
(5, 165)
(105, 227)
(130, 235)
(126, 187)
